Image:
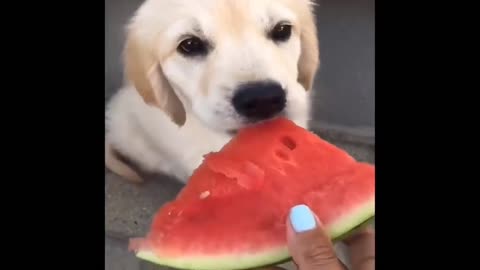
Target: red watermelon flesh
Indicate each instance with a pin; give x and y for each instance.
(232, 212)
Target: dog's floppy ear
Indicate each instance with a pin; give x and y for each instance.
(142, 68)
(309, 57)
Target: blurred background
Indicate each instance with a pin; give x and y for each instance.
(344, 107)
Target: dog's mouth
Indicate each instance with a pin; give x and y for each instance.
(232, 132)
(252, 122)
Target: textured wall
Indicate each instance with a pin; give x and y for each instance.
(345, 85)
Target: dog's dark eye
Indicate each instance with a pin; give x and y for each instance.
(281, 32)
(193, 46)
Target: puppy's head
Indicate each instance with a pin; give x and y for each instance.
(227, 62)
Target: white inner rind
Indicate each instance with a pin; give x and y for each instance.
(226, 262)
(267, 257)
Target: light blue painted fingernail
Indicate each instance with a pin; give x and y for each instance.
(302, 218)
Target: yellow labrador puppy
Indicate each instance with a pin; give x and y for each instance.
(199, 70)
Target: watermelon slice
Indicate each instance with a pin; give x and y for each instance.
(232, 212)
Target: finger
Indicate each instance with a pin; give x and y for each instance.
(361, 247)
(309, 245)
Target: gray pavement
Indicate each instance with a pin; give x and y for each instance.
(117, 256)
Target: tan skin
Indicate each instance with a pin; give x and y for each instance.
(313, 250)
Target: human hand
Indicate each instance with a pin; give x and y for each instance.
(312, 249)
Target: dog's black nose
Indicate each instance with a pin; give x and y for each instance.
(259, 100)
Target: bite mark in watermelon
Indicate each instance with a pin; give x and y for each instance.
(232, 212)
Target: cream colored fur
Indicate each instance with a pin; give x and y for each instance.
(174, 110)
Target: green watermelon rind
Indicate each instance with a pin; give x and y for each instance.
(337, 231)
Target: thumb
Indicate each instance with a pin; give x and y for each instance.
(308, 243)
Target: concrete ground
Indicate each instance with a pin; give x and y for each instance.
(129, 208)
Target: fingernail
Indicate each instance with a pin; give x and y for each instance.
(302, 218)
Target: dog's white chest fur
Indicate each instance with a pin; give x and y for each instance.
(145, 134)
